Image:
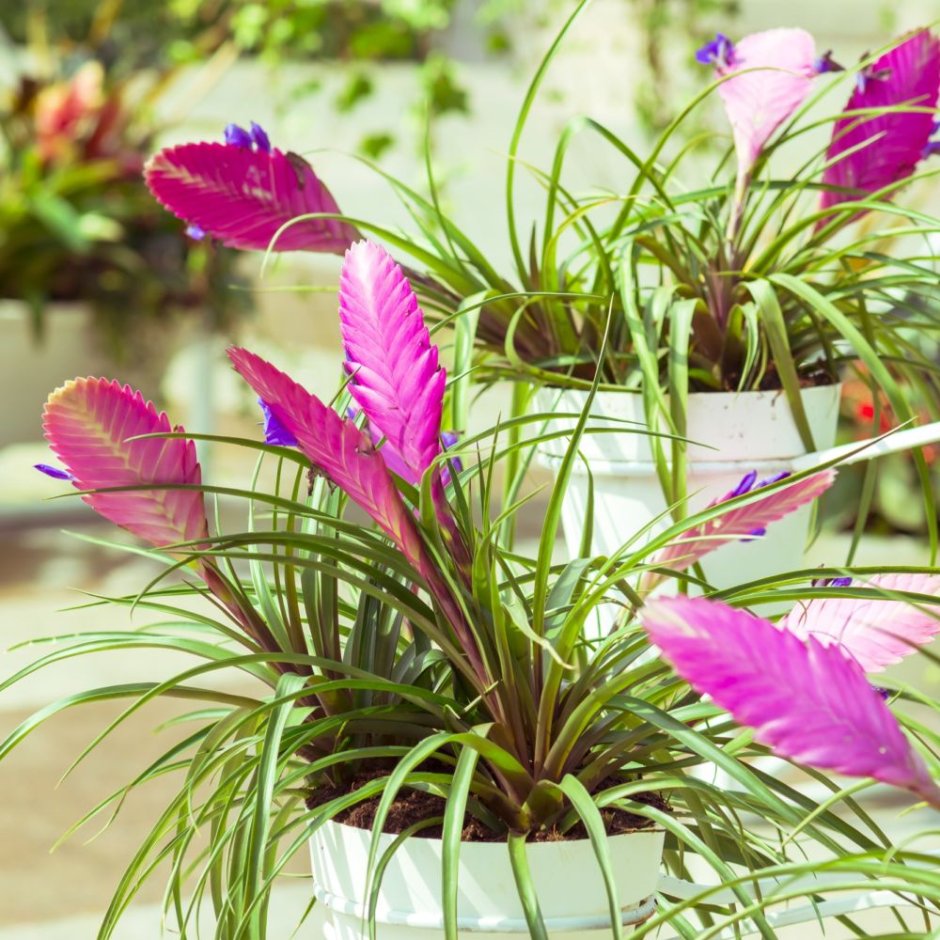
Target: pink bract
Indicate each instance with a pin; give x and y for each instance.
(759, 101)
(738, 523)
(397, 380)
(89, 422)
(868, 153)
(243, 196)
(806, 701)
(336, 447)
(876, 632)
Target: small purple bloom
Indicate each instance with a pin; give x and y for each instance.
(448, 440)
(236, 136)
(719, 52)
(274, 431)
(748, 483)
(932, 147)
(870, 74)
(882, 691)
(831, 582)
(745, 486)
(825, 63)
(195, 232)
(259, 138)
(55, 472)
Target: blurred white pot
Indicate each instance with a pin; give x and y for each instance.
(567, 881)
(70, 347)
(733, 434)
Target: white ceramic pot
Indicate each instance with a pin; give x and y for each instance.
(733, 433)
(567, 880)
(70, 346)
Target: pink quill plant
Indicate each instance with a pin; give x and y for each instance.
(888, 122)
(767, 76)
(876, 631)
(242, 192)
(740, 522)
(94, 427)
(807, 701)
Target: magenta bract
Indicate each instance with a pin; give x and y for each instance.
(335, 447)
(89, 422)
(870, 152)
(809, 702)
(397, 379)
(743, 522)
(242, 196)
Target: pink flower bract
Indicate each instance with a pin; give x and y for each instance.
(877, 632)
(737, 523)
(88, 423)
(759, 101)
(397, 380)
(243, 196)
(806, 701)
(868, 153)
(336, 447)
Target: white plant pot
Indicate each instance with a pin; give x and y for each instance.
(567, 880)
(70, 347)
(733, 434)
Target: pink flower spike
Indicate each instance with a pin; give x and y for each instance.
(759, 101)
(88, 423)
(877, 632)
(741, 523)
(869, 153)
(806, 701)
(334, 446)
(242, 195)
(397, 380)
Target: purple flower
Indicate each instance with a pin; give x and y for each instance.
(747, 483)
(932, 147)
(236, 136)
(195, 232)
(260, 139)
(719, 52)
(255, 139)
(448, 440)
(825, 63)
(274, 431)
(830, 582)
(55, 472)
(870, 74)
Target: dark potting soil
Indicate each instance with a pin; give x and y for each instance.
(413, 806)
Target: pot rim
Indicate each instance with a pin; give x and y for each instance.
(427, 921)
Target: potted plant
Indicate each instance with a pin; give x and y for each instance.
(739, 298)
(435, 723)
(92, 275)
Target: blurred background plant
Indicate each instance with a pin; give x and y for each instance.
(76, 223)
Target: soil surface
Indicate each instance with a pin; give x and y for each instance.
(413, 806)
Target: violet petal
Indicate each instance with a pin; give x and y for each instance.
(236, 136)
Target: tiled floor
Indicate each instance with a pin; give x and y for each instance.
(47, 896)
